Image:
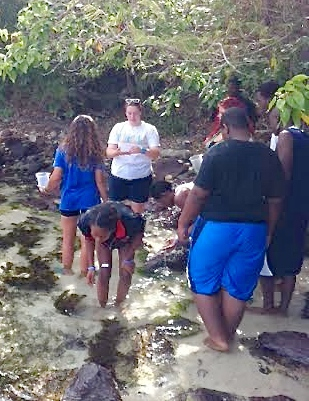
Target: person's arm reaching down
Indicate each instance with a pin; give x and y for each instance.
(192, 208)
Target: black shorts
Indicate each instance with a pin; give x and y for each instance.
(285, 254)
(72, 213)
(134, 190)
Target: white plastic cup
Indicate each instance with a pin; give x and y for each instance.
(42, 179)
(196, 161)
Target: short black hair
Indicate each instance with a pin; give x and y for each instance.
(268, 89)
(235, 117)
(233, 79)
(158, 188)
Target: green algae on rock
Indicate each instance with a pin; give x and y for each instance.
(67, 302)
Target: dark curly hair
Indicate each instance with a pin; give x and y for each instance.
(82, 143)
(104, 215)
(159, 188)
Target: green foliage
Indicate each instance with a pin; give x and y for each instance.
(292, 101)
(191, 46)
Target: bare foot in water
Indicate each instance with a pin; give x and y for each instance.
(59, 270)
(221, 347)
(67, 272)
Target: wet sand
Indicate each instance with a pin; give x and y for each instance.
(195, 365)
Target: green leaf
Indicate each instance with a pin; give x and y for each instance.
(12, 74)
(285, 115)
(296, 117)
(296, 100)
(272, 103)
(280, 104)
(300, 78)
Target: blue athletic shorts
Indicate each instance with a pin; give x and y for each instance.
(226, 256)
(134, 190)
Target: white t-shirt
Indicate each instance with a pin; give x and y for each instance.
(273, 141)
(124, 135)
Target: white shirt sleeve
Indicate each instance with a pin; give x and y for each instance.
(153, 137)
(273, 141)
(114, 134)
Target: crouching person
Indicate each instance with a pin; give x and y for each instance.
(108, 226)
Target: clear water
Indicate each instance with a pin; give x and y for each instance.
(37, 351)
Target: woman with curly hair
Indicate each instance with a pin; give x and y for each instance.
(79, 171)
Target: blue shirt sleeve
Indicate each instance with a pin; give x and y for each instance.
(59, 160)
(100, 166)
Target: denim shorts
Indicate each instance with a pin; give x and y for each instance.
(134, 190)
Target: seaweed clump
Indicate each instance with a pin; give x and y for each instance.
(25, 233)
(67, 302)
(113, 347)
(36, 276)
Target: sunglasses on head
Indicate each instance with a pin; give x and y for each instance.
(133, 101)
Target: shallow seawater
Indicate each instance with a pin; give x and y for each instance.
(40, 349)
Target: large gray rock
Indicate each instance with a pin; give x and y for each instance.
(92, 383)
(173, 261)
(289, 347)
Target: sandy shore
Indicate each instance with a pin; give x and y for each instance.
(195, 366)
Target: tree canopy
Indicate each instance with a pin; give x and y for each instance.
(188, 46)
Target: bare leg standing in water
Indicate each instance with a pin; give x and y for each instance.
(228, 243)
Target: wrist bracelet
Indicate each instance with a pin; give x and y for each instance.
(143, 151)
(91, 269)
(129, 262)
(104, 265)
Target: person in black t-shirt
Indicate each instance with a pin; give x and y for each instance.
(108, 226)
(285, 254)
(237, 195)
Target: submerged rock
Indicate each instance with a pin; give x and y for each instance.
(287, 347)
(204, 394)
(67, 302)
(153, 340)
(177, 327)
(92, 383)
(174, 260)
(167, 219)
(154, 345)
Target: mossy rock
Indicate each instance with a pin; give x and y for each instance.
(155, 346)
(176, 326)
(67, 302)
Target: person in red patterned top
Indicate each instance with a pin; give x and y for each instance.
(234, 98)
(108, 226)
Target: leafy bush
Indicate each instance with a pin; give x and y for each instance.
(189, 45)
(292, 101)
